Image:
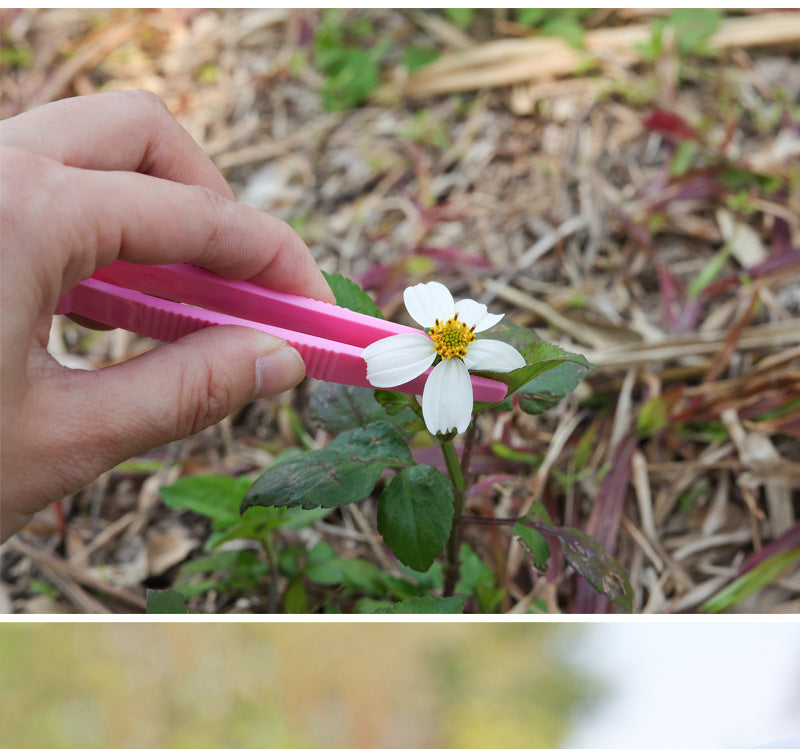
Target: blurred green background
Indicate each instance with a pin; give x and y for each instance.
(370, 685)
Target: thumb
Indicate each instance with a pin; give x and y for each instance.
(168, 393)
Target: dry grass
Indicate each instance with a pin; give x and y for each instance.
(551, 199)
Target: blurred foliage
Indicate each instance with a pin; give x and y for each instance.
(352, 53)
(291, 686)
(350, 62)
(690, 28)
(566, 23)
(751, 582)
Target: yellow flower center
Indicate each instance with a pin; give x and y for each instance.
(452, 338)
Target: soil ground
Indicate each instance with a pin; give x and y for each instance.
(641, 210)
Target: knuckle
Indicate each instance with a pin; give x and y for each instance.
(33, 196)
(205, 397)
(213, 215)
(149, 101)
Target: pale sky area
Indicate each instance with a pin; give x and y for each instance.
(716, 685)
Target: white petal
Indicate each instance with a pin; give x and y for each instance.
(447, 398)
(427, 302)
(475, 313)
(397, 359)
(493, 356)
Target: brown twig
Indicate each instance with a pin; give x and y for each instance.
(67, 570)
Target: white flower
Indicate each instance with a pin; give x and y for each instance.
(451, 328)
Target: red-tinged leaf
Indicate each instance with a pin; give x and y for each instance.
(670, 125)
(604, 521)
(787, 260)
(637, 232)
(781, 237)
(788, 425)
(454, 257)
(488, 484)
(587, 557)
(697, 184)
(671, 296)
(679, 314)
(387, 280)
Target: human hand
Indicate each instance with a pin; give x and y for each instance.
(85, 181)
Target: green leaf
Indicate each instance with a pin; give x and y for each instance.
(379, 439)
(326, 567)
(415, 57)
(535, 543)
(506, 452)
(345, 471)
(431, 579)
(453, 605)
(15, 57)
(257, 522)
(322, 478)
(415, 515)
(295, 599)
(403, 589)
(694, 27)
(586, 446)
(540, 358)
(461, 17)
(237, 570)
(531, 16)
(539, 513)
(392, 402)
(322, 566)
(361, 576)
(397, 406)
(546, 390)
(512, 334)
(351, 296)
(216, 497)
(342, 53)
(739, 178)
(652, 417)
(477, 579)
(289, 560)
(370, 605)
(683, 158)
(44, 588)
(709, 272)
(219, 498)
(340, 407)
(356, 78)
(751, 582)
(165, 602)
(567, 28)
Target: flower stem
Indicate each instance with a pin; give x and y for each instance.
(451, 570)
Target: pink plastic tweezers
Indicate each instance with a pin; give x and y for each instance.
(166, 302)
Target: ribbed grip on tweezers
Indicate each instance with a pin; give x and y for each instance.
(316, 329)
(167, 321)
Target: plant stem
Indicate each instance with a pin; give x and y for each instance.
(451, 571)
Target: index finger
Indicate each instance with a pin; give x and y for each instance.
(121, 131)
(142, 219)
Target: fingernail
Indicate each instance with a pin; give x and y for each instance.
(278, 370)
